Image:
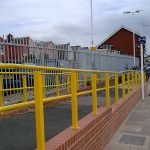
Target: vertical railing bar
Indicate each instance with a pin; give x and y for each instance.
(116, 89)
(123, 85)
(94, 94)
(39, 111)
(1, 91)
(74, 100)
(24, 88)
(107, 91)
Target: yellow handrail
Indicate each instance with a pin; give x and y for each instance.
(60, 79)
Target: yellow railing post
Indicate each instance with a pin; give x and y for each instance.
(116, 89)
(94, 94)
(43, 85)
(57, 85)
(1, 91)
(132, 81)
(139, 79)
(68, 83)
(74, 100)
(107, 91)
(84, 80)
(128, 77)
(123, 85)
(39, 112)
(24, 88)
(136, 79)
(77, 79)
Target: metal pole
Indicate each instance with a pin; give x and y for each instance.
(142, 74)
(133, 39)
(92, 24)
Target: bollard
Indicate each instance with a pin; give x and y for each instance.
(128, 77)
(24, 88)
(85, 80)
(57, 85)
(116, 89)
(94, 94)
(1, 91)
(107, 91)
(123, 85)
(74, 100)
(39, 112)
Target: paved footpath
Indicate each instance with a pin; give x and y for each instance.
(134, 133)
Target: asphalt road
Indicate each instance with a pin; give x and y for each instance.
(18, 133)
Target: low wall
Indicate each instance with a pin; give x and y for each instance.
(95, 131)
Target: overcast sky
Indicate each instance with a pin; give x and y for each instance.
(63, 21)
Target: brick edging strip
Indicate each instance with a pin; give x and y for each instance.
(95, 131)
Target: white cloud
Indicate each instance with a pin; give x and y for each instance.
(69, 21)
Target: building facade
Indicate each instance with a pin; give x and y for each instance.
(121, 41)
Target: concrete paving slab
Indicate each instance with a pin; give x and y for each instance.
(132, 139)
(134, 133)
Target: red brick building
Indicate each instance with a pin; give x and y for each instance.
(14, 49)
(121, 40)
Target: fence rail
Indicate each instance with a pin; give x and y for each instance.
(30, 53)
(50, 83)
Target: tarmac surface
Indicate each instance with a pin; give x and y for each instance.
(18, 133)
(134, 133)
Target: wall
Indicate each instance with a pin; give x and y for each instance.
(95, 131)
(103, 61)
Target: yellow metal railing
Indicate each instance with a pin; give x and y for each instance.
(51, 84)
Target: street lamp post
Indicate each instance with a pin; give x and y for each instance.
(93, 48)
(91, 23)
(133, 12)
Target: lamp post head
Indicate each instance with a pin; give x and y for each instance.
(127, 12)
(132, 12)
(138, 11)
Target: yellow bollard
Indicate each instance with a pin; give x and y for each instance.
(123, 85)
(128, 78)
(57, 85)
(94, 94)
(74, 100)
(39, 112)
(107, 91)
(116, 89)
(132, 81)
(1, 91)
(85, 80)
(24, 88)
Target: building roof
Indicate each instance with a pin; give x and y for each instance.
(122, 27)
(75, 48)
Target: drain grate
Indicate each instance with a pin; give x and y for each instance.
(131, 139)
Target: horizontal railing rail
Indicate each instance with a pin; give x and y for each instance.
(47, 84)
